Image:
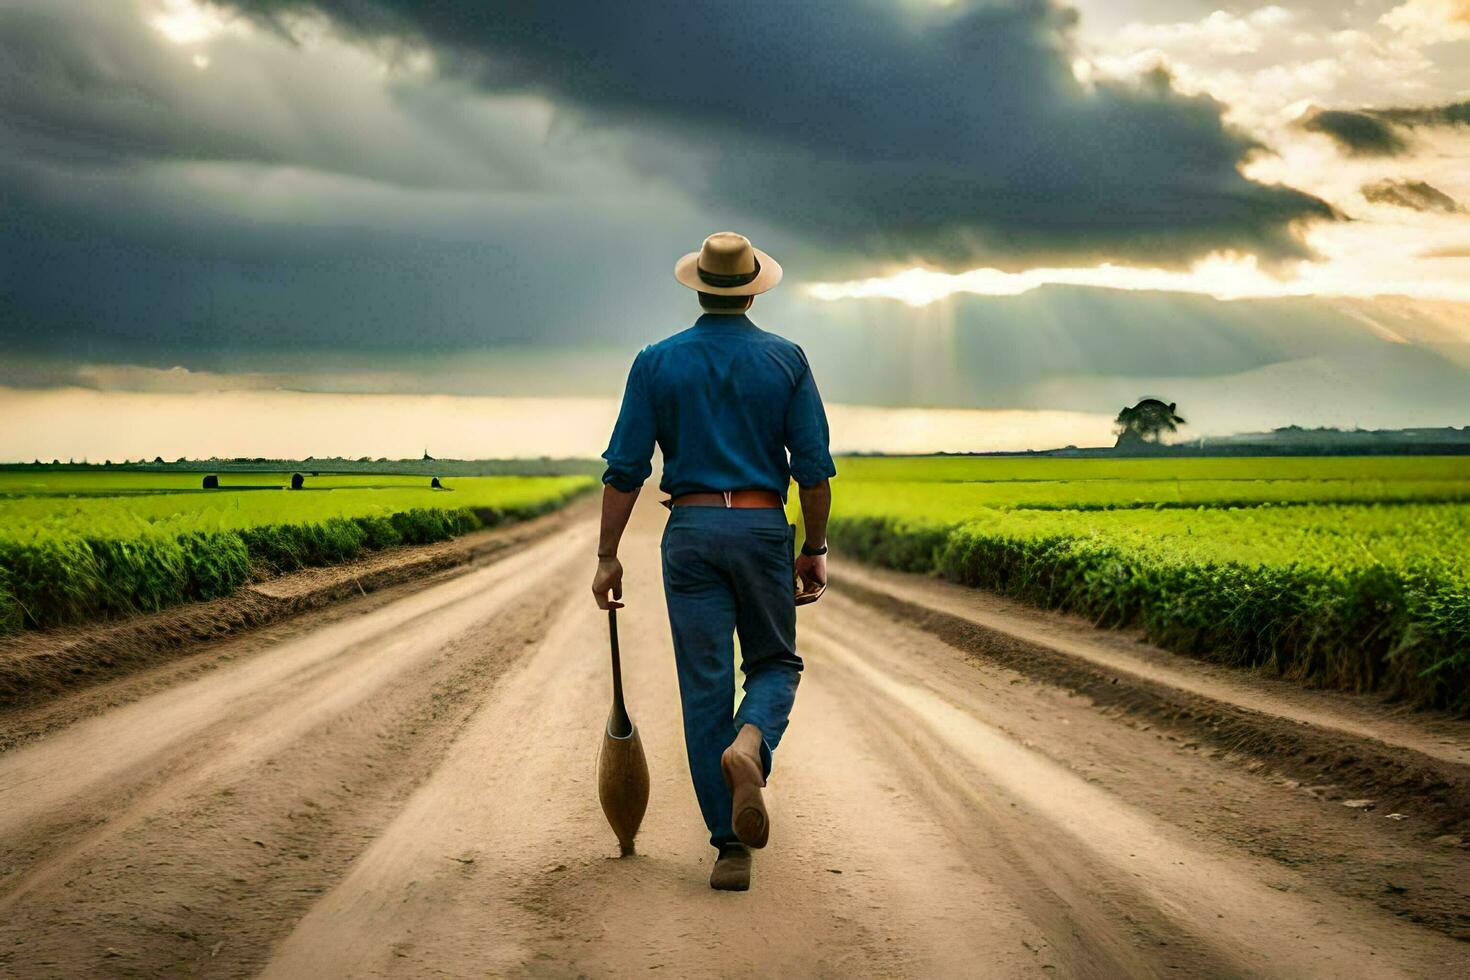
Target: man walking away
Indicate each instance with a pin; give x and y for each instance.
(726, 402)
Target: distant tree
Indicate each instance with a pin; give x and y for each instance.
(181, 459)
(158, 460)
(1147, 422)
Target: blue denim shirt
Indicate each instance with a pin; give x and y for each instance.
(725, 401)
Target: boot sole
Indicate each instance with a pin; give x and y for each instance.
(748, 809)
(737, 886)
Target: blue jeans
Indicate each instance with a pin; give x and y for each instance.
(730, 571)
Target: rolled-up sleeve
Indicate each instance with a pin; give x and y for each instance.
(630, 451)
(806, 433)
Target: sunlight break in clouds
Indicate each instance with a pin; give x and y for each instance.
(189, 21)
(1221, 278)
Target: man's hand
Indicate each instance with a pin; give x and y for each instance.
(617, 507)
(609, 578)
(811, 570)
(816, 504)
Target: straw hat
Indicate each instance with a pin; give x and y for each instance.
(728, 265)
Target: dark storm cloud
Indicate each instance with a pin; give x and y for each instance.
(1359, 133)
(85, 85)
(288, 200)
(1413, 194)
(161, 266)
(300, 195)
(1450, 114)
(1380, 132)
(949, 136)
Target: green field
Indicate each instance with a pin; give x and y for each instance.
(1352, 572)
(76, 546)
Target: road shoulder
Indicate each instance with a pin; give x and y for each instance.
(1353, 747)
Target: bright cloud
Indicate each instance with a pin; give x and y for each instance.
(1271, 68)
(1264, 66)
(190, 21)
(1221, 31)
(1431, 21)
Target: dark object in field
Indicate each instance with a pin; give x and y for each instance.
(211, 482)
(622, 769)
(434, 482)
(297, 481)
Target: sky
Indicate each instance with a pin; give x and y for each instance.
(360, 227)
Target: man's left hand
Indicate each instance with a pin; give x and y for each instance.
(811, 571)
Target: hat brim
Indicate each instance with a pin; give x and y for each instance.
(686, 270)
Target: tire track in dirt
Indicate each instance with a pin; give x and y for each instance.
(1117, 891)
(1350, 761)
(845, 890)
(184, 831)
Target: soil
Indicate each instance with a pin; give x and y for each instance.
(403, 784)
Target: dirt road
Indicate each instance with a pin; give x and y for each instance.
(404, 786)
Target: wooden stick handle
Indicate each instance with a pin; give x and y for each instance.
(617, 659)
(620, 724)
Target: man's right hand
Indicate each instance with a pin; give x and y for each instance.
(609, 578)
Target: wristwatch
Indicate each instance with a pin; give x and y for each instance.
(810, 552)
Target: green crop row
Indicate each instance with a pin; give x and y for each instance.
(1356, 597)
(60, 571)
(104, 507)
(956, 499)
(1005, 469)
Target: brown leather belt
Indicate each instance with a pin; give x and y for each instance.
(742, 499)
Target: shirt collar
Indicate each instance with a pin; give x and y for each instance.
(723, 320)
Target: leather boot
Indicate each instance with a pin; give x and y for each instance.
(741, 764)
(732, 869)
